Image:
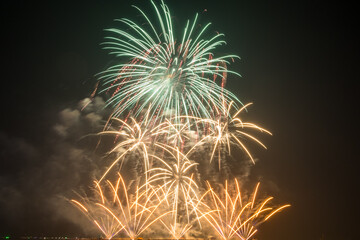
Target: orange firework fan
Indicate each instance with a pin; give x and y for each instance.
(232, 216)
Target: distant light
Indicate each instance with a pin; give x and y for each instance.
(7, 237)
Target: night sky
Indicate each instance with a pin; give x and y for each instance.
(299, 68)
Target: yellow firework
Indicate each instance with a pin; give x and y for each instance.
(228, 130)
(232, 216)
(108, 226)
(177, 182)
(131, 214)
(134, 137)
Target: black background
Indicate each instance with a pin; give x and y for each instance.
(299, 65)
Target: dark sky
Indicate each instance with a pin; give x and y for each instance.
(299, 67)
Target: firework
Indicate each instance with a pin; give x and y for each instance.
(227, 130)
(119, 211)
(230, 215)
(169, 75)
(169, 98)
(108, 226)
(175, 178)
(135, 138)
